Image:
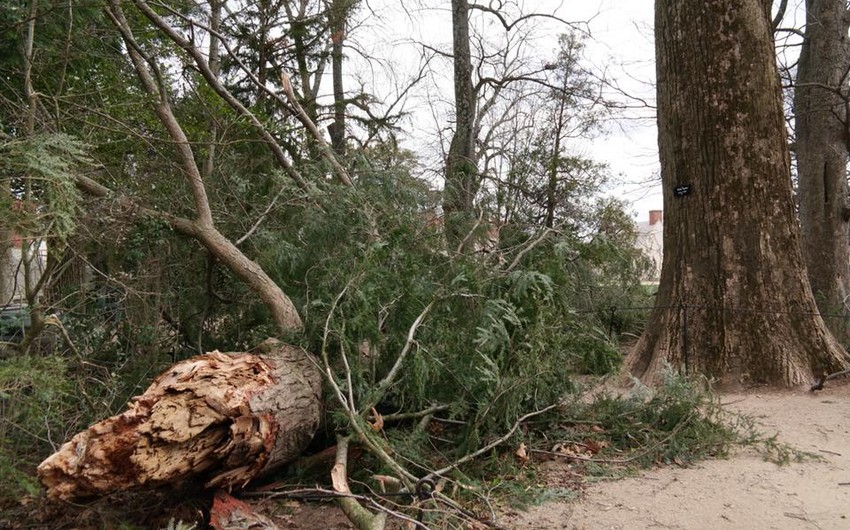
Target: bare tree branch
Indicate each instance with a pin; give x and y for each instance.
(510, 25)
(211, 78)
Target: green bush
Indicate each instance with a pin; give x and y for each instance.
(37, 409)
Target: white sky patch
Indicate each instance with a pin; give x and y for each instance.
(620, 47)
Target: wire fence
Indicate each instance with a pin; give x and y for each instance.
(689, 312)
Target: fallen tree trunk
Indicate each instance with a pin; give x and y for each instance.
(220, 418)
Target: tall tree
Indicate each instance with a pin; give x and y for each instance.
(461, 170)
(733, 302)
(820, 110)
(338, 12)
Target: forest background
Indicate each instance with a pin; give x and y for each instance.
(210, 175)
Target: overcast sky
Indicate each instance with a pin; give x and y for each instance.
(620, 44)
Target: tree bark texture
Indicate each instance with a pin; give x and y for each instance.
(7, 269)
(338, 16)
(733, 301)
(821, 147)
(220, 418)
(461, 168)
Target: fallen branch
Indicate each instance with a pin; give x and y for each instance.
(305, 120)
(495, 443)
(357, 514)
(388, 380)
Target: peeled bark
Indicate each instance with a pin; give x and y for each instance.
(223, 419)
(733, 302)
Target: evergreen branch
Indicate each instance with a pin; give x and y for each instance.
(355, 420)
(528, 248)
(388, 380)
(401, 416)
(302, 116)
(148, 72)
(475, 454)
(349, 406)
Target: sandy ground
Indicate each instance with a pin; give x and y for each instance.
(743, 492)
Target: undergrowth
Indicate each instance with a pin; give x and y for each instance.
(595, 435)
(612, 435)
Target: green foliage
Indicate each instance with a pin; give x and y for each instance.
(505, 333)
(679, 422)
(496, 344)
(40, 169)
(37, 406)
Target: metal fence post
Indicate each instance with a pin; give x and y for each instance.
(684, 309)
(613, 312)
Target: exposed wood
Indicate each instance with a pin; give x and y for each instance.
(228, 513)
(357, 514)
(221, 419)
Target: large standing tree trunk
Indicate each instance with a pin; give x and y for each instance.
(733, 302)
(223, 419)
(461, 168)
(820, 123)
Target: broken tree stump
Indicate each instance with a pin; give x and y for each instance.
(220, 418)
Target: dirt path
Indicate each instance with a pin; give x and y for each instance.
(743, 492)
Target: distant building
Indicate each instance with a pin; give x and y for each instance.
(12, 269)
(650, 239)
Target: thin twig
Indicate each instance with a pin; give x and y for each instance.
(326, 150)
(462, 244)
(496, 442)
(325, 359)
(543, 235)
(401, 416)
(355, 420)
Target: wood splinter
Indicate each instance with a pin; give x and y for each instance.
(222, 419)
